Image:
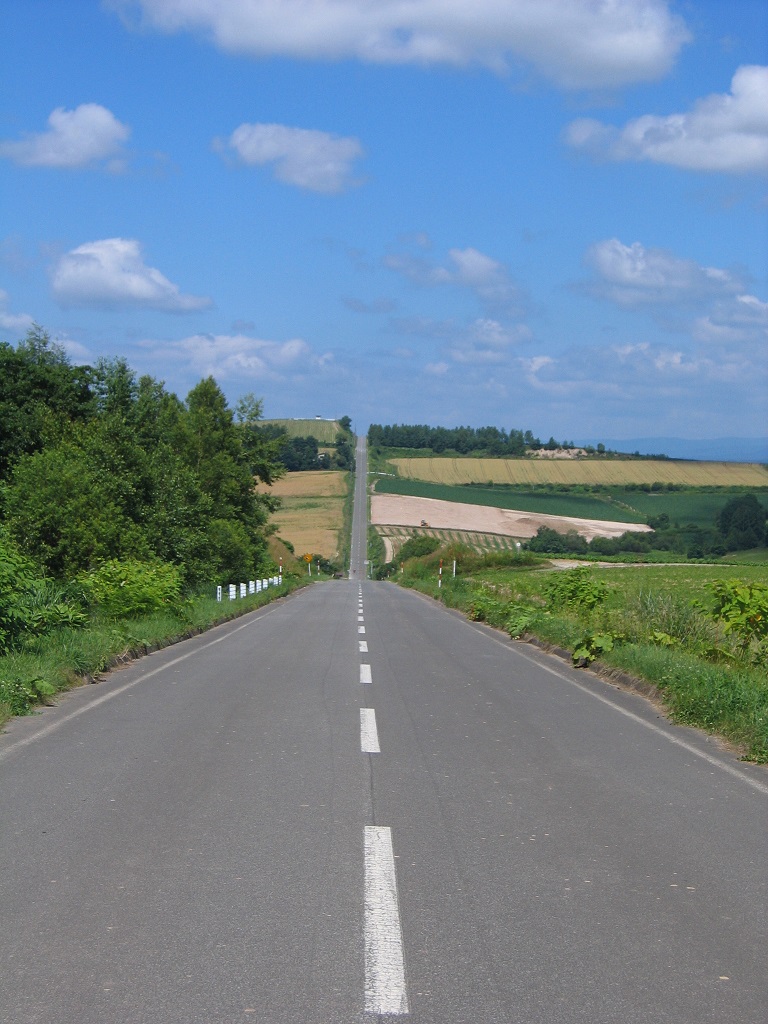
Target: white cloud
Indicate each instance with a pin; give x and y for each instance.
(481, 342)
(12, 321)
(633, 275)
(465, 268)
(81, 137)
(487, 341)
(742, 319)
(575, 43)
(437, 369)
(304, 157)
(723, 132)
(112, 274)
(241, 356)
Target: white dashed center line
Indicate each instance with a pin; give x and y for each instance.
(385, 990)
(363, 644)
(361, 629)
(365, 674)
(369, 737)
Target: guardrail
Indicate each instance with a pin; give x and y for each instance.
(239, 590)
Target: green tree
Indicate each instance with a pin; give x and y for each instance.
(41, 394)
(741, 523)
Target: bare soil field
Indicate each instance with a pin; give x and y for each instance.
(616, 472)
(312, 512)
(399, 510)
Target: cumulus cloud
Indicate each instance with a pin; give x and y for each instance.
(633, 275)
(589, 44)
(241, 356)
(483, 341)
(742, 319)
(465, 268)
(111, 273)
(723, 132)
(487, 341)
(12, 321)
(88, 135)
(305, 157)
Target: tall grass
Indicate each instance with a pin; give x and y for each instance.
(659, 634)
(67, 657)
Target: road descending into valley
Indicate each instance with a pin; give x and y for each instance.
(353, 805)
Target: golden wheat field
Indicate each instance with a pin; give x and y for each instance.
(312, 512)
(614, 472)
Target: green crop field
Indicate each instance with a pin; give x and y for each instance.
(324, 430)
(625, 582)
(697, 505)
(569, 472)
(618, 504)
(557, 503)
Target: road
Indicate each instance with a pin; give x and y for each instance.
(354, 805)
(359, 544)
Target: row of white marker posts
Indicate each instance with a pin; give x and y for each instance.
(252, 587)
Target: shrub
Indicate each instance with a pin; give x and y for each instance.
(417, 547)
(120, 588)
(575, 588)
(742, 608)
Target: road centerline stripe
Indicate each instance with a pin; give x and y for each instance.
(361, 629)
(369, 736)
(365, 674)
(363, 644)
(385, 990)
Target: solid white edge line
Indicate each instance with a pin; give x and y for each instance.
(761, 787)
(365, 674)
(385, 989)
(369, 736)
(18, 744)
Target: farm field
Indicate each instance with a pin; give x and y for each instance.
(313, 510)
(395, 536)
(584, 506)
(615, 472)
(400, 510)
(630, 505)
(324, 430)
(684, 583)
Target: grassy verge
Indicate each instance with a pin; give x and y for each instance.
(68, 657)
(650, 622)
(345, 533)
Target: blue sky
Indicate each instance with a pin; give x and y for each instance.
(544, 214)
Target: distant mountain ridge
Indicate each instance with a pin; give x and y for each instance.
(718, 449)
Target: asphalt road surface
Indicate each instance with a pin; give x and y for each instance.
(353, 805)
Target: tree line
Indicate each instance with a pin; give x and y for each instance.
(739, 526)
(494, 441)
(98, 464)
(303, 453)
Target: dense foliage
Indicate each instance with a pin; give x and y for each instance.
(302, 453)
(462, 440)
(97, 465)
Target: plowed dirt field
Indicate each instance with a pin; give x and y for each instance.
(399, 510)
